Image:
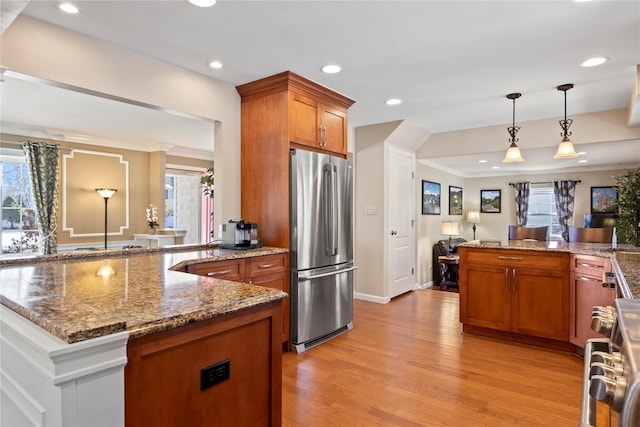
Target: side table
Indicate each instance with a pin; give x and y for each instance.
(449, 265)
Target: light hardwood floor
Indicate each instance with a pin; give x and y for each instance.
(407, 363)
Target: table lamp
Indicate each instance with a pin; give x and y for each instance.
(474, 217)
(449, 228)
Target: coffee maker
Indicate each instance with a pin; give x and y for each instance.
(237, 234)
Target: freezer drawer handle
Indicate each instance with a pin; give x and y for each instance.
(218, 273)
(332, 273)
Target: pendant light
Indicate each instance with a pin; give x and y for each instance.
(565, 149)
(513, 153)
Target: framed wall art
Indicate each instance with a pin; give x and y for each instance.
(604, 200)
(430, 198)
(455, 200)
(490, 201)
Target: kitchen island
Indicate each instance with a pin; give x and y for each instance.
(193, 346)
(541, 293)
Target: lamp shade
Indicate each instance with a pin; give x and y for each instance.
(474, 217)
(449, 228)
(106, 192)
(565, 150)
(513, 154)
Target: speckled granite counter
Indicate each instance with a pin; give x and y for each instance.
(78, 296)
(625, 259)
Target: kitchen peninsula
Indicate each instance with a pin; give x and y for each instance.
(127, 337)
(542, 293)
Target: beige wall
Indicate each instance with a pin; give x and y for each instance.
(45, 51)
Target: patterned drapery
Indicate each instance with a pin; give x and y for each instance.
(522, 203)
(565, 194)
(43, 165)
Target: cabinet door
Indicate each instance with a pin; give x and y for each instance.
(540, 303)
(484, 296)
(230, 270)
(334, 130)
(586, 291)
(304, 126)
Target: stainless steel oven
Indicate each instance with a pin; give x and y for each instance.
(612, 367)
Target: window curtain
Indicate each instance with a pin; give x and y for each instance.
(522, 203)
(565, 194)
(43, 166)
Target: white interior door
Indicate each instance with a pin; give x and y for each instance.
(401, 222)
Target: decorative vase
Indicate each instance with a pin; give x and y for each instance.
(152, 230)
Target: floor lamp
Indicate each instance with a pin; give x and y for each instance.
(474, 218)
(105, 193)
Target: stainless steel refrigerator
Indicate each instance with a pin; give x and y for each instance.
(321, 248)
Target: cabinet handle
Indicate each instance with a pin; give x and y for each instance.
(511, 258)
(267, 265)
(218, 273)
(588, 265)
(591, 279)
(506, 280)
(513, 281)
(324, 136)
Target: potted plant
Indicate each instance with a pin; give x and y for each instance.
(628, 227)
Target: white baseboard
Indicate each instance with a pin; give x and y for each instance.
(372, 298)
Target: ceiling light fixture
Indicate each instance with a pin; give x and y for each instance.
(202, 3)
(68, 8)
(565, 149)
(593, 62)
(513, 153)
(393, 101)
(331, 69)
(215, 64)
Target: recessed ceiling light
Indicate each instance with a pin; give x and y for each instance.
(68, 8)
(495, 167)
(393, 101)
(202, 3)
(583, 161)
(482, 161)
(331, 69)
(215, 64)
(582, 153)
(592, 62)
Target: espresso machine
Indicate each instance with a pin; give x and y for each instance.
(237, 234)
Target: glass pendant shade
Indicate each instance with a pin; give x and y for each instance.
(565, 150)
(513, 154)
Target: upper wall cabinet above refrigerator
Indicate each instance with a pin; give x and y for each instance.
(313, 116)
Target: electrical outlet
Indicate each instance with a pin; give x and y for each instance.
(214, 374)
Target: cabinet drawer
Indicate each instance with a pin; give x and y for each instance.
(516, 258)
(268, 264)
(590, 265)
(230, 270)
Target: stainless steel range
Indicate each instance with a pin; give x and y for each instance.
(612, 366)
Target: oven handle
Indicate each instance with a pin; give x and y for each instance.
(588, 404)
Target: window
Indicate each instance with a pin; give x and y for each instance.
(183, 203)
(19, 228)
(542, 210)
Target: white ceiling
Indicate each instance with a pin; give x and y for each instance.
(452, 62)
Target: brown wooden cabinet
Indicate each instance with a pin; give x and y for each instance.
(317, 125)
(271, 271)
(519, 292)
(587, 289)
(278, 113)
(166, 371)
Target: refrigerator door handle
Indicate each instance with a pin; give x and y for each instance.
(331, 273)
(334, 211)
(327, 205)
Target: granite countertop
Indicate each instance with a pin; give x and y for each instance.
(77, 297)
(625, 258)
